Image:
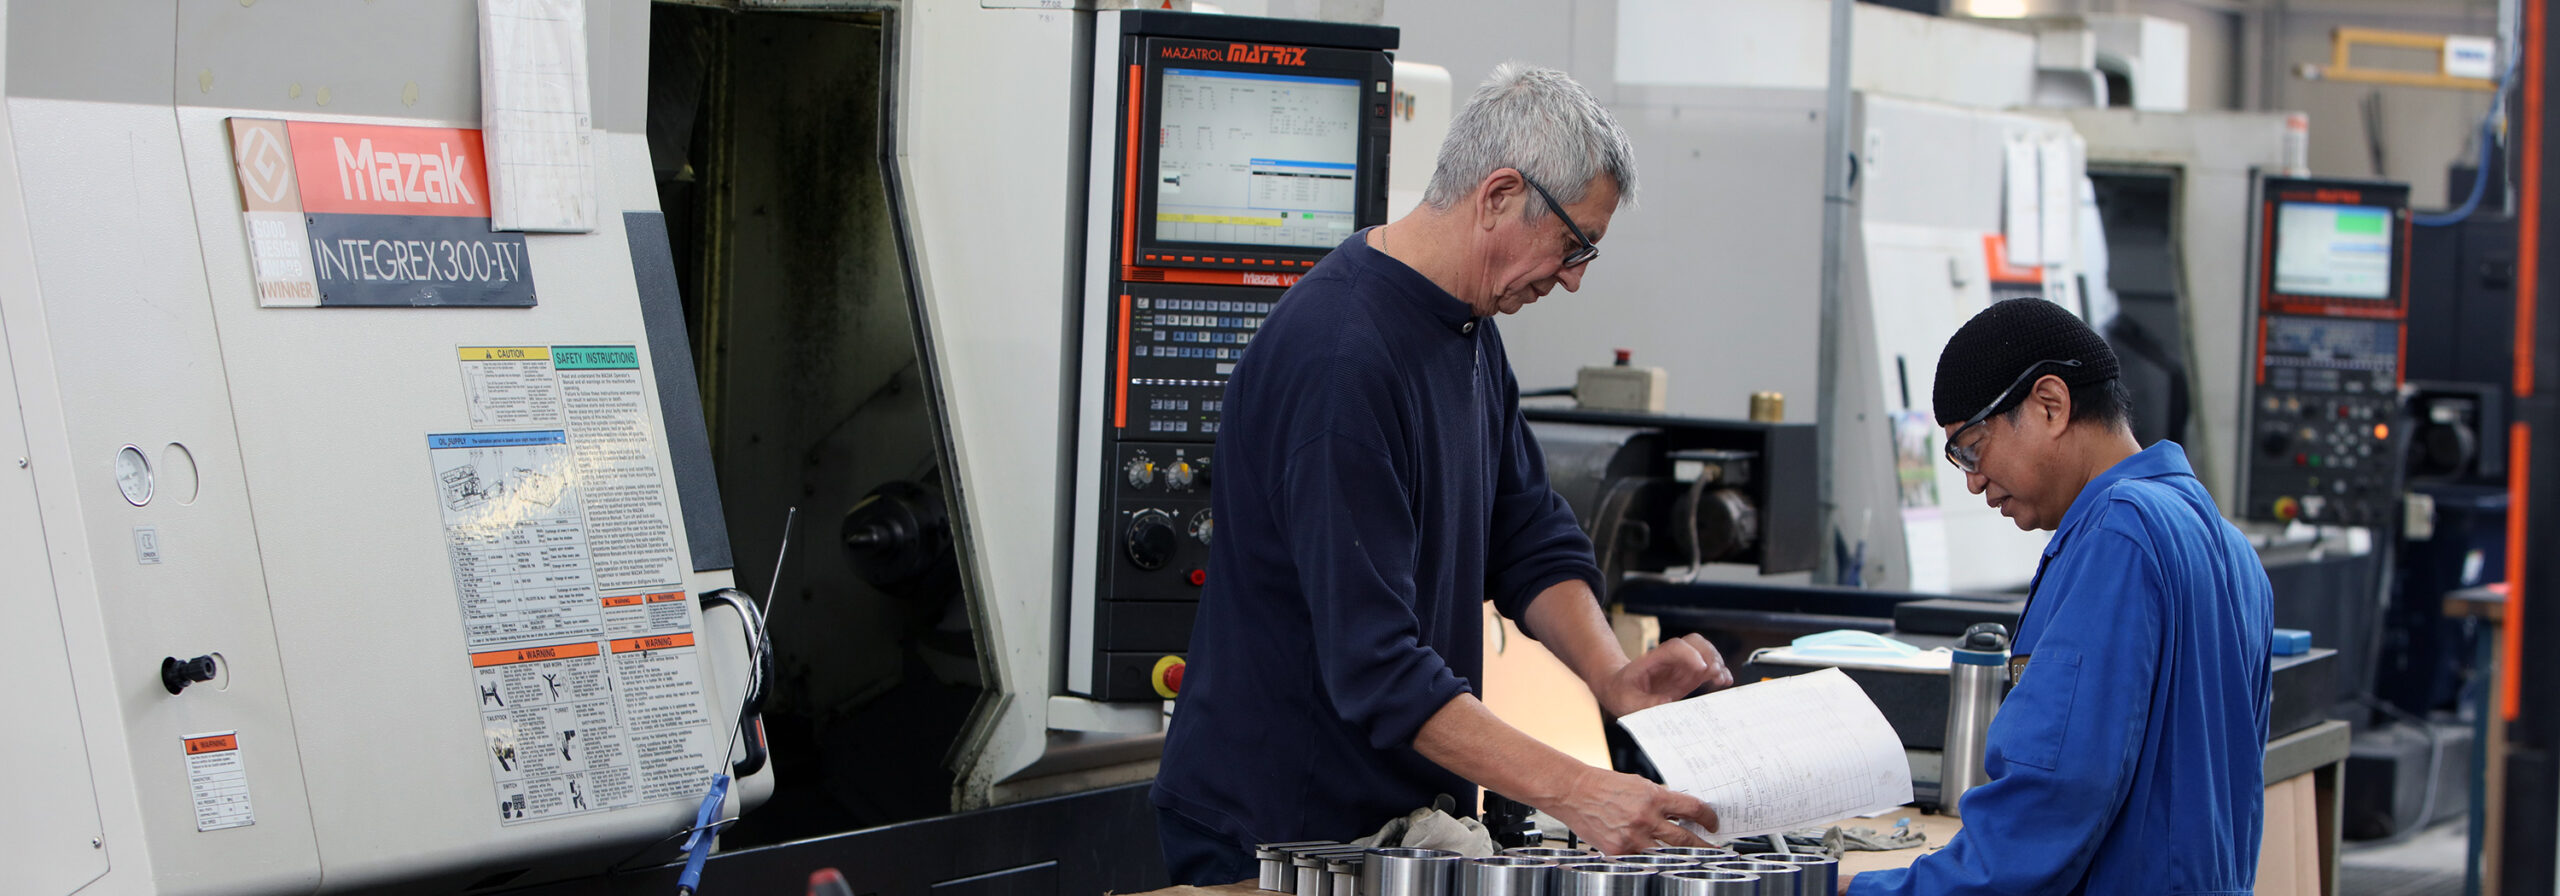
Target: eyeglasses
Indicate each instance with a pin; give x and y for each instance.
(1582, 255)
(1968, 457)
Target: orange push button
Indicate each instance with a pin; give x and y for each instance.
(1168, 676)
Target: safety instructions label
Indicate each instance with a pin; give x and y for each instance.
(565, 563)
(219, 781)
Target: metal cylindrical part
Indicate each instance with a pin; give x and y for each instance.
(1707, 882)
(1816, 874)
(1980, 666)
(1768, 407)
(1407, 872)
(1603, 879)
(1309, 869)
(1505, 876)
(1277, 876)
(1342, 874)
(1702, 854)
(1776, 878)
(1557, 853)
(1658, 862)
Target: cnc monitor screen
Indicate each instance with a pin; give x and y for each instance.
(2338, 251)
(1252, 159)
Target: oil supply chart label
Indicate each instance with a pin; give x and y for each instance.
(588, 680)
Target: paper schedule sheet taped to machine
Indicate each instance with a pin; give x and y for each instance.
(1778, 755)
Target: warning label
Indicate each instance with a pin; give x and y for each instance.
(565, 562)
(219, 781)
(510, 387)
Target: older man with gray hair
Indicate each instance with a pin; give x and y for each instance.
(1376, 485)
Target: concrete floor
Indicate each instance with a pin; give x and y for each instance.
(2429, 863)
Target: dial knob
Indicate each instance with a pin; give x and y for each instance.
(1179, 476)
(1150, 539)
(1202, 526)
(1142, 471)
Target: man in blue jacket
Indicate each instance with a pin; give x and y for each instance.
(2127, 756)
(1376, 484)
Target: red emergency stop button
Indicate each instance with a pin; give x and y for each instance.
(1199, 577)
(1168, 676)
(2287, 508)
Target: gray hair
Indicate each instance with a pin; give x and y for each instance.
(1536, 120)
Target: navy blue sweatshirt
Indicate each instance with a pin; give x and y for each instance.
(1376, 484)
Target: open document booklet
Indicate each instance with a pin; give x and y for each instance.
(1779, 754)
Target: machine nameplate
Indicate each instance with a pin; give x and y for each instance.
(372, 215)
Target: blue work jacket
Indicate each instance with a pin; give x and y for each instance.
(2128, 755)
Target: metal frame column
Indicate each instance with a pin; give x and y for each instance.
(2529, 678)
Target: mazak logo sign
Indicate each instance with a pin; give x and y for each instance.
(369, 215)
(436, 178)
(266, 168)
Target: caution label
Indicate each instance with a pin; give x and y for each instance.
(218, 779)
(510, 387)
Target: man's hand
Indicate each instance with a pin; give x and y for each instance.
(1844, 884)
(1666, 673)
(1623, 814)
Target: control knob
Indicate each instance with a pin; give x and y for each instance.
(1179, 476)
(1150, 539)
(1142, 471)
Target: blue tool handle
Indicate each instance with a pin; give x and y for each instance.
(698, 847)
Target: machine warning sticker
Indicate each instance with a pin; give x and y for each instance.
(510, 387)
(219, 781)
(565, 562)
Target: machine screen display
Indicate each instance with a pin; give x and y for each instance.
(2328, 341)
(2341, 251)
(1256, 159)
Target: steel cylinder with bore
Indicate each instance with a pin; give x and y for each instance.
(1707, 882)
(1700, 854)
(1408, 872)
(1776, 878)
(1603, 879)
(1557, 853)
(1817, 874)
(1506, 876)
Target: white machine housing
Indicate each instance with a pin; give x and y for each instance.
(2212, 155)
(1715, 276)
(295, 528)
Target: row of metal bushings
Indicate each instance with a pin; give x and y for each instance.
(1327, 868)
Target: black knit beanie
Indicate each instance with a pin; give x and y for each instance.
(1991, 350)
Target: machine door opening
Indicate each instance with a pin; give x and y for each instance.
(764, 133)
